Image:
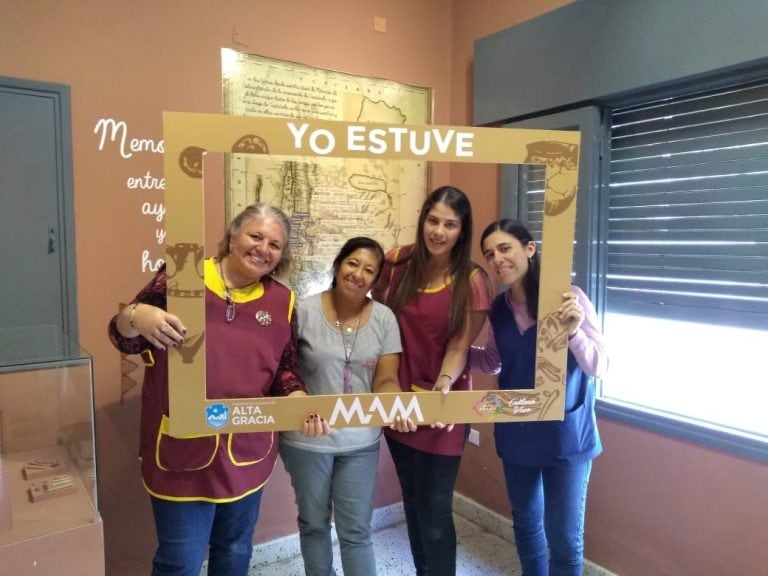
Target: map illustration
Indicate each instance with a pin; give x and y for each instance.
(327, 199)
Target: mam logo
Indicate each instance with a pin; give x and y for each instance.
(217, 415)
(356, 414)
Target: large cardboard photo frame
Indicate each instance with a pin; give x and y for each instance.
(188, 136)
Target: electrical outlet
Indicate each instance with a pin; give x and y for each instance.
(474, 437)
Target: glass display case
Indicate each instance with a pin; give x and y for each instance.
(49, 517)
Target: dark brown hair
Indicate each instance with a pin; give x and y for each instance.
(357, 243)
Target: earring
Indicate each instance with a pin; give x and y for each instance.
(530, 260)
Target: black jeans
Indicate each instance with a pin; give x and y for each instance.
(427, 482)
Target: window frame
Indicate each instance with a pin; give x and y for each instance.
(591, 255)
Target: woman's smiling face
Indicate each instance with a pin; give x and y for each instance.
(256, 248)
(442, 228)
(507, 257)
(357, 272)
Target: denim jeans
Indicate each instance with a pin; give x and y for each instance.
(427, 481)
(548, 507)
(186, 530)
(342, 483)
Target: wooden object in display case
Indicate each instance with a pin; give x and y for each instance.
(37, 469)
(49, 519)
(53, 487)
(45, 529)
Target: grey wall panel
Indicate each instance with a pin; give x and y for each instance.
(597, 49)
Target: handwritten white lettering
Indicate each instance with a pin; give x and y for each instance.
(148, 265)
(156, 209)
(523, 405)
(111, 130)
(146, 182)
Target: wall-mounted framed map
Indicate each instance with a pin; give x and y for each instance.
(327, 199)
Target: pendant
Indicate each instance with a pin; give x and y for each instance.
(263, 317)
(347, 377)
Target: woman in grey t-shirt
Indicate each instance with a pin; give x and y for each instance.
(347, 344)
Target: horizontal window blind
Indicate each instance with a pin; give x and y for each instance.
(532, 186)
(688, 208)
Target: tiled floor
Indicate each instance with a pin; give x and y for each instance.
(480, 553)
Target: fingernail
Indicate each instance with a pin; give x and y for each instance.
(306, 421)
(311, 416)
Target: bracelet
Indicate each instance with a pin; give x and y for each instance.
(446, 376)
(133, 311)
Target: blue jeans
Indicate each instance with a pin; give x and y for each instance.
(342, 483)
(548, 507)
(186, 530)
(427, 481)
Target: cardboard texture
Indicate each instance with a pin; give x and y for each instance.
(188, 136)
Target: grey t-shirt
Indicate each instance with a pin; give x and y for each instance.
(321, 359)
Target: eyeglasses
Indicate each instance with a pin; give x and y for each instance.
(230, 314)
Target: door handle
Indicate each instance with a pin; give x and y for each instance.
(51, 240)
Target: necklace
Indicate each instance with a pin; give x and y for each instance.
(348, 339)
(436, 281)
(230, 313)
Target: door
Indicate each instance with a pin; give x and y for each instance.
(38, 305)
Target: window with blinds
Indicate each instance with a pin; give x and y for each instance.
(688, 209)
(531, 209)
(531, 187)
(675, 229)
(686, 267)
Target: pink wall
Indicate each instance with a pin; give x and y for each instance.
(656, 504)
(666, 507)
(131, 60)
